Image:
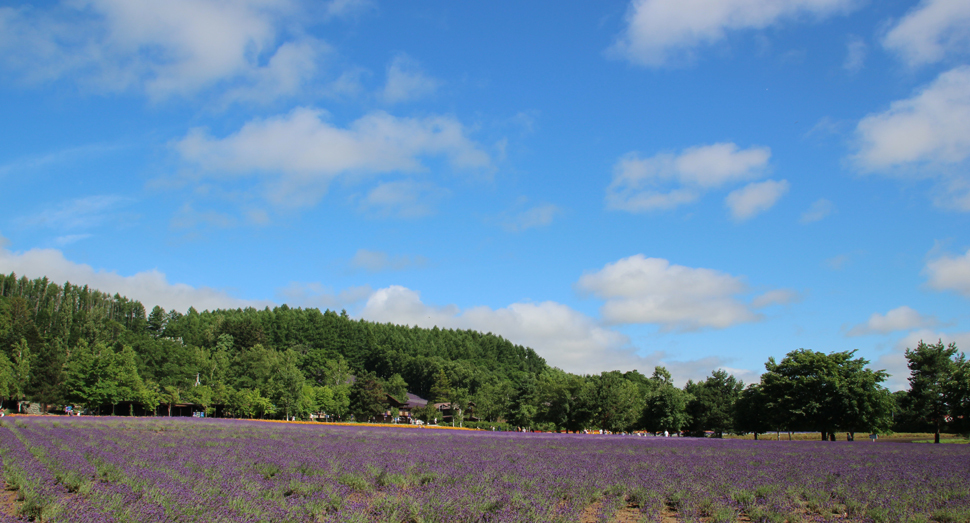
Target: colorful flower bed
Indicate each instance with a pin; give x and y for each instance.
(203, 470)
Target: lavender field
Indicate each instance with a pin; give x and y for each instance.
(148, 470)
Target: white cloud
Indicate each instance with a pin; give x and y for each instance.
(564, 337)
(950, 273)
(931, 31)
(406, 82)
(899, 319)
(666, 181)
(378, 261)
(855, 55)
(925, 136)
(755, 198)
(651, 290)
(149, 287)
(538, 216)
(661, 31)
(171, 48)
(894, 362)
(819, 210)
(299, 153)
(932, 127)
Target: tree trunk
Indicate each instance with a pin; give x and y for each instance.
(936, 438)
(756, 436)
(825, 436)
(831, 436)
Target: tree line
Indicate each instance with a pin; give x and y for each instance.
(68, 344)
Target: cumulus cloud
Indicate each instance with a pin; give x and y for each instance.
(300, 153)
(894, 361)
(755, 198)
(171, 48)
(149, 287)
(660, 31)
(379, 261)
(931, 127)
(930, 31)
(819, 210)
(899, 319)
(927, 135)
(651, 290)
(564, 337)
(950, 273)
(406, 81)
(666, 181)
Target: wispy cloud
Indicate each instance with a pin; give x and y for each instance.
(403, 199)
(70, 154)
(819, 210)
(379, 261)
(536, 216)
(79, 214)
(406, 81)
(855, 54)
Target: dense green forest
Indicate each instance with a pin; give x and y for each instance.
(71, 345)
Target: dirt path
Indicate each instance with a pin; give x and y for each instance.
(632, 514)
(8, 501)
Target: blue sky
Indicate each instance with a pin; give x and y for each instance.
(620, 184)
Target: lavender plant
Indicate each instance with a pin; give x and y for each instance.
(147, 470)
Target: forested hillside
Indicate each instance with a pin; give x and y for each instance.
(235, 349)
(68, 344)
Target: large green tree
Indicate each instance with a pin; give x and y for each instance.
(610, 402)
(561, 401)
(712, 403)
(751, 412)
(811, 390)
(932, 392)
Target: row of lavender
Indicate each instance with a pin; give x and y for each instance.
(147, 470)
